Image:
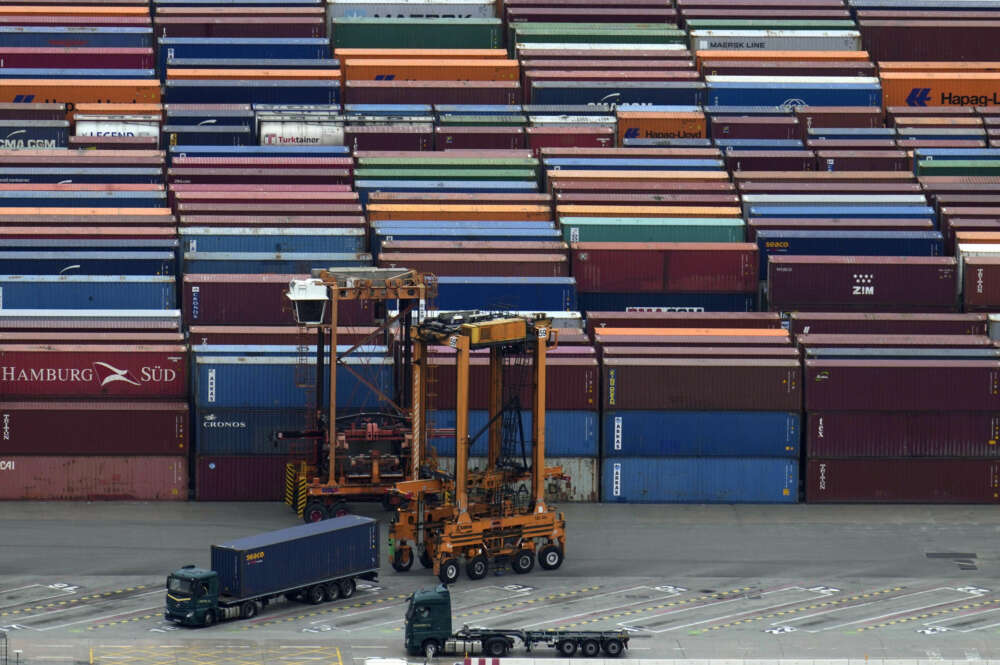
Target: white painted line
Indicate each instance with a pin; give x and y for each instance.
(302, 646)
(99, 619)
(19, 588)
(597, 611)
(75, 607)
(53, 658)
(729, 616)
(907, 610)
(115, 646)
(303, 658)
(54, 646)
(361, 646)
(172, 646)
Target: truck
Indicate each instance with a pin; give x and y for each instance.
(428, 631)
(314, 563)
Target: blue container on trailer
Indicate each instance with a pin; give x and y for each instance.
(77, 36)
(629, 164)
(275, 382)
(670, 302)
(364, 187)
(193, 91)
(61, 174)
(49, 73)
(541, 294)
(252, 63)
(208, 134)
(258, 151)
(470, 233)
(249, 263)
(764, 92)
(239, 48)
(88, 263)
(845, 212)
(243, 117)
(847, 243)
(88, 292)
(567, 433)
(247, 431)
(667, 143)
(297, 556)
(277, 240)
(699, 480)
(701, 434)
(478, 109)
(666, 93)
(65, 199)
(759, 144)
(33, 134)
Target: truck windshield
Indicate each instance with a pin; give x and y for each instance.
(178, 585)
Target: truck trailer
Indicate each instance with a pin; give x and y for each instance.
(313, 562)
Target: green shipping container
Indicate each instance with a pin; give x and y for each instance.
(958, 167)
(483, 120)
(435, 162)
(446, 174)
(589, 33)
(769, 24)
(436, 33)
(652, 229)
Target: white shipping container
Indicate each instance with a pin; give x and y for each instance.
(274, 132)
(583, 486)
(408, 9)
(118, 125)
(543, 120)
(776, 40)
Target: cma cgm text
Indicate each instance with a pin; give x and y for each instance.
(21, 144)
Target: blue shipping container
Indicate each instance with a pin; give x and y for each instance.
(74, 244)
(541, 294)
(259, 151)
(567, 433)
(213, 91)
(87, 292)
(77, 36)
(759, 144)
(226, 135)
(238, 49)
(701, 434)
(699, 480)
(33, 134)
(69, 199)
(668, 302)
(764, 93)
(297, 556)
(277, 240)
(111, 174)
(847, 243)
(250, 263)
(845, 212)
(89, 263)
(667, 93)
(247, 431)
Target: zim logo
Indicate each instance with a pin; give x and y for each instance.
(918, 97)
(863, 285)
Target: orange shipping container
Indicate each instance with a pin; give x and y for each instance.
(254, 74)
(774, 56)
(416, 211)
(646, 211)
(412, 69)
(659, 125)
(940, 88)
(421, 53)
(977, 237)
(74, 10)
(893, 66)
(75, 91)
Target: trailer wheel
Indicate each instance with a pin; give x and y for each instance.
(209, 619)
(331, 591)
(449, 571)
(496, 647)
(314, 512)
(316, 594)
(402, 560)
(566, 648)
(613, 647)
(248, 610)
(550, 558)
(590, 648)
(339, 510)
(477, 568)
(347, 587)
(430, 648)
(292, 596)
(523, 561)
(425, 560)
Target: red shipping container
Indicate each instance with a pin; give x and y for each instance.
(694, 352)
(240, 478)
(80, 337)
(292, 176)
(76, 58)
(418, 136)
(470, 246)
(491, 138)
(895, 480)
(837, 116)
(834, 224)
(433, 92)
(902, 385)
(37, 478)
(759, 127)
(956, 341)
(254, 300)
(276, 335)
(863, 283)
(887, 324)
(705, 384)
(468, 264)
(863, 160)
(903, 434)
(656, 267)
(94, 370)
(656, 319)
(981, 290)
(770, 160)
(94, 428)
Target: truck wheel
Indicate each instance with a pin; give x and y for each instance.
(477, 568)
(566, 648)
(248, 610)
(402, 560)
(449, 571)
(523, 562)
(209, 619)
(331, 591)
(590, 648)
(425, 560)
(430, 648)
(497, 647)
(339, 510)
(613, 647)
(316, 594)
(347, 587)
(315, 512)
(550, 558)
(292, 596)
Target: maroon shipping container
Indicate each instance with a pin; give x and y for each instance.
(609, 267)
(902, 385)
(850, 144)
(689, 340)
(782, 13)
(648, 199)
(345, 221)
(655, 319)
(72, 158)
(479, 264)
(446, 154)
(787, 68)
(94, 428)
(709, 384)
(913, 144)
(529, 53)
(264, 162)
(887, 324)
(981, 290)
(556, 13)
(113, 142)
(253, 200)
(456, 197)
(474, 246)
(863, 283)
(254, 300)
(418, 136)
(778, 352)
(243, 27)
(253, 209)
(979, 200)
(33, 111)
(89, 221)
(957, 224)
(291, 176)
(276, 335)
(264, 187)
(903, 434)
(94, 370)
(956, 341)
(573, 351)
(638, 187)
(946, 14)
(105, 21)
(838, 116)
(539, 138)
(81, 232)
(76, 58)
(773, 187)
(633, 153)
(571, 383)
(433, 92)
(479, 137)
(863, 160)
(770, 160)
(242, 10)
(895, 480)
(808, 178)
(833, 224)
(128, 478)
(240, 478)
(563, 64)
(928, 41)
(755, 127)
(81, 337)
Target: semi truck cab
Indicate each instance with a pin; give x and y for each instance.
(428, 619)
(192, 593)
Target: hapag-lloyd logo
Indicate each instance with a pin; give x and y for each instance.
(100, 372)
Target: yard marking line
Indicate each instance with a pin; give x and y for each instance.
(367, 611)
(19, 588)
(904, 611)
(340, 661)
(361, 646)
(727, 616)
(600, 595)
(99, 619)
